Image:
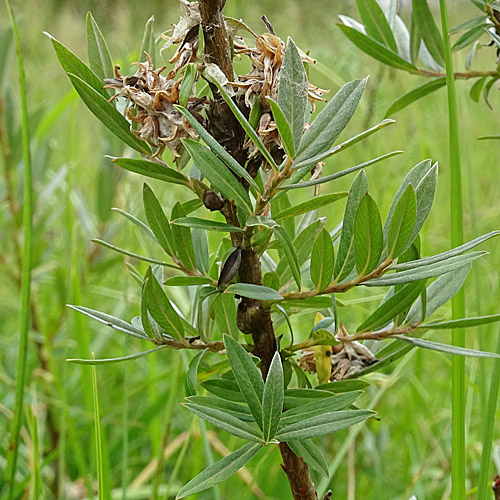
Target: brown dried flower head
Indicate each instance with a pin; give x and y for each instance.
(151, 99)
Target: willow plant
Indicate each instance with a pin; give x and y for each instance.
(242, 145)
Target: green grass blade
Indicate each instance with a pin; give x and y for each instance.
(27, 258)
(98, 439)
(458, 302)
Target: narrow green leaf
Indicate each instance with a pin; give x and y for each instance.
(428, 30)
(224, 308)
(283, 128)
(468, 38)
(226, 422)
(217, 173)
(225, 389)
(402, 223)
(330, 122)
(477, 88)
(273, 398)
(450, 349)
(113, 360)
(257, 292)
(368, 236)
(376, 50)
(376, 23)
(313, 204)
(300, 397)
(131, 254)
(162, 311)
(137, 222)
(400, 301)
(191, 383)
(189, 281)
(148, 42)
(489, 137)
(219, 150)
(182, 239)
(345, 255)
(462, 323)
(187, 84)
(157, 220)
(97, 50)
(321, 425)
(236, 410)
(428, 271)
(311, 454)
(438, 293)
(151, 169)
(322, 259)
(319, 406)
(470, 23)
(247, 375)
(111, 321)
(151, 327)
(74, 65)
(424, 191)
(344, 386)
(415, 94)
(292, 94)
(207, 225)
(246, 126)
(108, 114)
(220, 471)
(342, 173)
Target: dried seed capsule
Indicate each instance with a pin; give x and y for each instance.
(212, 201)
(230, 267)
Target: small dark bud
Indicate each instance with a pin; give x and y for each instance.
(212, 201)
(230, 267)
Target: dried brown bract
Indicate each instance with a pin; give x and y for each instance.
(152, 97)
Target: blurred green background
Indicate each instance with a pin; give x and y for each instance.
(406, 451)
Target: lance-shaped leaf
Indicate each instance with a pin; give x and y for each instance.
(189, 281)
(428, 30)
(445, 255)
(187, 84)
(151, 169)
(283, 128)
(424, 272)
(108, 361)
(97, 51)
(273, 398)
(182, 239)
(311, 454)
(112, 321)
(236, 410)
(151, 327)
(162, 310)
(338, 175)
(402, 223)
(74, 65)
(292, 91)
(368, 237)
(226, 422)
(285, 241)
(330, 122)
(450, 349)
(400, 301)
(462, 323)
(424, 192)
(344, 386)
(220, 471)
(415, 94)
(308, 206)
(252, 134)
(247, 375)
(224, 308)
(137, 222)
(207, 225)
(217, 173)
(322, 260)
(438, 293)
(230, 267)
(157, 220)
(376, 50)
(299, 397)
(148, 42)
(224, 388)
(218, 149)
(376, 23)
(257, 292)
(107, 114)
(191, 383)
(325, 404)
(323, 424)
(414, 177)
(345, 256)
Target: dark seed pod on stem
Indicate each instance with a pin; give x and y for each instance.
(230, 267)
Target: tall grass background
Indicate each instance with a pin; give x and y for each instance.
(148, 445)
